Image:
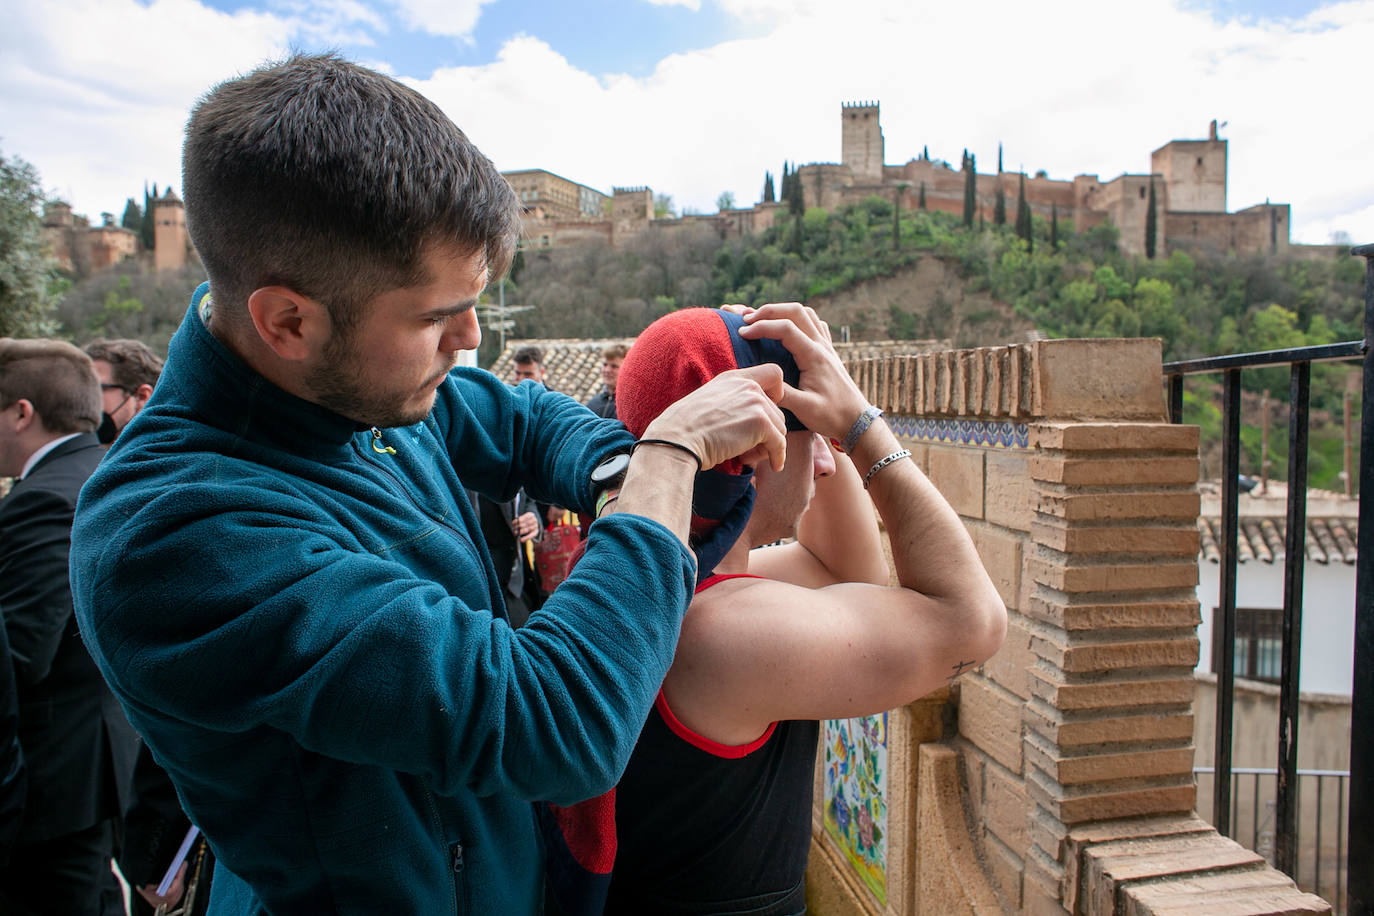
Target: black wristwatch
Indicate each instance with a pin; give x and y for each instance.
(610, 473)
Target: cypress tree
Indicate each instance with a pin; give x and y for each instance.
(1054, 227)
(999, 210)
(1022, 212)
(796, 197)
(145, 229)
(1151, 223)
(133, 216)
(999, 157)
(921, 202)
(768, 187)
(970, 188)
(925, 153)
(897, 216)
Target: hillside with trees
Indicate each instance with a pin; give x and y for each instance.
(885, 271)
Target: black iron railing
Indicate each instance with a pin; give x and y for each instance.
(1360, 844)
(1319, 844)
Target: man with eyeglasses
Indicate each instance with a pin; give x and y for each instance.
(128, 371)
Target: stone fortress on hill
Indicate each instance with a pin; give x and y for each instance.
(1189, 178)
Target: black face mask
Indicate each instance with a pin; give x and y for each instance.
(107, 431)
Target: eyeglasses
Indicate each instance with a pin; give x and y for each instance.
(105, 387)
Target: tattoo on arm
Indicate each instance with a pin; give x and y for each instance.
(960, 667)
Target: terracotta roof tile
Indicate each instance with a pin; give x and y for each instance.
(1328, 540)
(574, 364)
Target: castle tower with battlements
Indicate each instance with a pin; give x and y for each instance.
(1194, 172)
(861, 140)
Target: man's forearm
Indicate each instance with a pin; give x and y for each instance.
(839, 528)
(658, 485)
(931, 551)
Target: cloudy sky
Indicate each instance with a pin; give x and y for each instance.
(696, 97)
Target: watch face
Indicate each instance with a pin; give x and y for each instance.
(612, 469)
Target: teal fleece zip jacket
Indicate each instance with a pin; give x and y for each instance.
(310, 636)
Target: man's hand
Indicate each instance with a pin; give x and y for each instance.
(526, 527)
(828, 401)
(734, 415)
(149, 891)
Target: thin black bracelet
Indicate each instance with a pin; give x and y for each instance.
(677, 445)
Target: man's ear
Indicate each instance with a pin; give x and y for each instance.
(292, 325)
(141, 394)
(24, 415)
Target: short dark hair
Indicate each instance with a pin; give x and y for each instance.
(530, 354)
(132, 362)
(614, 351)
(334, 180)
(56, 377)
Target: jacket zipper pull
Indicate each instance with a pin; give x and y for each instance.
(378, 445)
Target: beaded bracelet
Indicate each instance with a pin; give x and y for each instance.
(884, 462)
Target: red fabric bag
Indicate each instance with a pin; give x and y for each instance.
(554, 550)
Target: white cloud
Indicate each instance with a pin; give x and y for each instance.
(95, 93)
(715, 119)
(692, 5)
(455, 18)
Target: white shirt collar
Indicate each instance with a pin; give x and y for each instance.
(43, 450)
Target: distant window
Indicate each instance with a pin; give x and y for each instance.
(1142, 193)
(1199, 160)
(1259, 643)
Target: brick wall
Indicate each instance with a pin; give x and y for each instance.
(1071, 751)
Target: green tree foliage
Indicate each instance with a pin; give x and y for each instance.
(1054, 226)
(796, 197)
(999, 159)
(726, 200)
(768, 188)
(1151, 223)
(999, 210)
(1023, 224)
(970, 188)
(133, 216)
(129, 300)
(29, 284)
(1082, 287)
(147, 235)
(921, 201)
(663, 206)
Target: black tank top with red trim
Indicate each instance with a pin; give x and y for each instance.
(705, 829)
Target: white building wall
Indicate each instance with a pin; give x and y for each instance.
(1328, 631)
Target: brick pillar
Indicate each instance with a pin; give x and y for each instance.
(1070, 751)
(1113, 619)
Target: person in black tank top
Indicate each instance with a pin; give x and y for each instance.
(713, 813)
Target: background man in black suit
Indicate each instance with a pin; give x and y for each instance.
(77, 745)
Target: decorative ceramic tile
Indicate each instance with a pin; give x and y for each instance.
(984, 433)
(855, 797)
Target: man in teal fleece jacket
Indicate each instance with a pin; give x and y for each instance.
(276, 567)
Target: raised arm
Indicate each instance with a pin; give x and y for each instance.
(753, 652)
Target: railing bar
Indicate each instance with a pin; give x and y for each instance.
(1350, 349)
(1270, 771)
(1317, 868)
(1254, 812)
(1226, 680)
(1286, 792)
(1340, 851)
(1233, 790)
(1176, 398)
(1359, 867)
